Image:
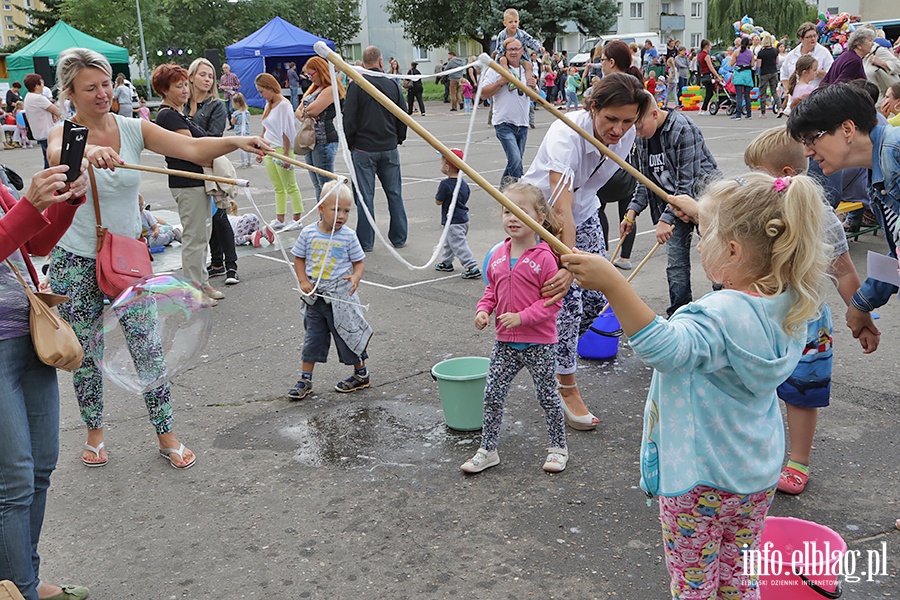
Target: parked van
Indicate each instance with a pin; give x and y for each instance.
(584, 53)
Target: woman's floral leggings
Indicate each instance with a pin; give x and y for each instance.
(76, 277)
(506, 362)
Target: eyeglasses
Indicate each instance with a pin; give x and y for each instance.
(311, 72)
(810, 36)
(516, 49)
(810, 140)
(605, 58)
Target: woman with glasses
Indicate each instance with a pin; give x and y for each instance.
(809, 44)
(851, 138)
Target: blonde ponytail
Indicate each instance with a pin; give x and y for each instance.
(781, 230)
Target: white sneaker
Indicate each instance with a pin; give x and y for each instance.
(292, 225)
(481, 461)
(703, 112)
(276, 224)
(556, 460)
(177, 231)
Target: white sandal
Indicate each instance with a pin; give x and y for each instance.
(95, 452)
(556, 460)
(165, 452)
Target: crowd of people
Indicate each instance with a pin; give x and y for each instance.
(762, 245)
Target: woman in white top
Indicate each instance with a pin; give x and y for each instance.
(808, 37)
(570, 171)
(122, 93)
(85, 76)
(279, 129)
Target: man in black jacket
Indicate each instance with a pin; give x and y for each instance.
(373, 134)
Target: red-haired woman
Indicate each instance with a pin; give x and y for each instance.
(318, 102)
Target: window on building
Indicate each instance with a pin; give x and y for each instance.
(637, 10)
(619, 9)
(352, 52)
(696, 10)
(696, 38)
(9, 19)
(420, 54)
(11, 39)
(10, 27)
(665, 8)
(7, 7)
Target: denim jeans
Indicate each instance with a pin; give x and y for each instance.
(29, 447)
(322, 156)
(512, 138)
(678, 269)
(295, 94)
(386, 165)
(742, 102)
(43, 145)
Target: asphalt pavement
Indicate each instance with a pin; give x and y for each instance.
(348, 496)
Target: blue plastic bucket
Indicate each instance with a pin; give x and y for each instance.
(461, 384)
(601, 340)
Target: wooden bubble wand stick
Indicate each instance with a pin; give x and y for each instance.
(185, 174)
(301, 164)
(325, 52)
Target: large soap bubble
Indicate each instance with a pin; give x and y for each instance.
(153, 331)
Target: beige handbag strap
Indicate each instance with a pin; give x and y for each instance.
(38, 307)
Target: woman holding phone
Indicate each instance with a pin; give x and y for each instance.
(85, 77)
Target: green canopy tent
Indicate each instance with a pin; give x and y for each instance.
(58, 38)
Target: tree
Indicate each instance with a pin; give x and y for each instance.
(115, 21)
(778, 17)
(440, 23)
(37, 24)
(435, 23)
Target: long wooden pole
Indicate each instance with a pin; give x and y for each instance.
(186, 174)
(565, 119)
(300, 163)
(326, 53)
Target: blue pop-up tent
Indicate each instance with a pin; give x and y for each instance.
(269, 50)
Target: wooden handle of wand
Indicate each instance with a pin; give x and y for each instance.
(303, 165)
(185, 174)
(325, 52)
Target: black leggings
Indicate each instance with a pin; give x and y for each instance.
(221, 243)
(709, 87)
(411, 97)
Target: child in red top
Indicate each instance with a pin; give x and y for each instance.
(651, 83)
(526, 329)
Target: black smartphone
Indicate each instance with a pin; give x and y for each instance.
(73, 144)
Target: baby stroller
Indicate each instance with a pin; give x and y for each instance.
(724, 97)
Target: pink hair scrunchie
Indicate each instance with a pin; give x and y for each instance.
(782, 183)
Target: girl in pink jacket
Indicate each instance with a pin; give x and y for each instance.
(526, 329)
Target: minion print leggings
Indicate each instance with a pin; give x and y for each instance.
(506, 362)
(76, 277)
(706, 532)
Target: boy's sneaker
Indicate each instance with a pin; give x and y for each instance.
(556, 460)
(232, 278)
(256, 237)
(213, 271)
(270, 235)
(473, 273)
(301, 390)
(352, 383)
(276, 224)
(177, 231)
(481, 461)
(444, 266)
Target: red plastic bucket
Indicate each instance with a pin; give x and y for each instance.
(799, 560)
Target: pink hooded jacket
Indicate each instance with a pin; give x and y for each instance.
(518, 290)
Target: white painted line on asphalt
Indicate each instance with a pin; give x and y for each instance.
(408, 285)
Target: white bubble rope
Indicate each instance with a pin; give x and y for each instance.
(348, 159)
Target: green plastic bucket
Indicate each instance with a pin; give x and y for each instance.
(461, 385)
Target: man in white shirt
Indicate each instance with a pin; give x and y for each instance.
(40, 112)
(510, 109)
